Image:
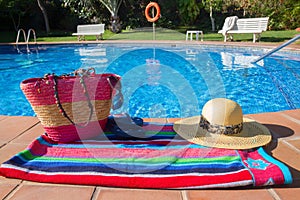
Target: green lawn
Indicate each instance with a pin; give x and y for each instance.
(167, 34)
(147, 34)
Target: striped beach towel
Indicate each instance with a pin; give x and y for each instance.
(161, 160)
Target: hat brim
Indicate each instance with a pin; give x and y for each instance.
(253, 134)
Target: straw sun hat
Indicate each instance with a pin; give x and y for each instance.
(222, 125)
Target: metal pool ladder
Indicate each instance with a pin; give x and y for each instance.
(277, 48)
(26, 39)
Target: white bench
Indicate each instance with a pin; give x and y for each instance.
(89, 29)
(248, 25)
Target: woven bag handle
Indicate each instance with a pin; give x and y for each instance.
(81, 73)
(117, 98)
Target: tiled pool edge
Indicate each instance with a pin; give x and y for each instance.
(268, 45)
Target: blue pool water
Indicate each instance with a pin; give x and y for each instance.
(179, 81)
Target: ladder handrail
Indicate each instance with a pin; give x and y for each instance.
(18, 37)
(277, 48)
(28, 36)
(26, 39)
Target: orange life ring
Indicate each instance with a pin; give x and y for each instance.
(156, 17)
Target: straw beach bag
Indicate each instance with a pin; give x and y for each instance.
(73, 107)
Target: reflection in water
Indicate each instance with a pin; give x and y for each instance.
(93, 57)
(234, 61)
(153, 71)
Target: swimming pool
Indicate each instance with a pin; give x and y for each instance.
(162, 80)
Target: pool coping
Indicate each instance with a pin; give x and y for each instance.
(267, 45)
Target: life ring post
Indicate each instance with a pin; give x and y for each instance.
(157, 8)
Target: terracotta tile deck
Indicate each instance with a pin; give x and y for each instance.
(17, 132)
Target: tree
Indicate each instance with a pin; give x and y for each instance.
(189, 10)
(212, 5)
(113, 7)
(291, 14)
(16, 10)
(41, 6)
(88, 8)
(83, 8)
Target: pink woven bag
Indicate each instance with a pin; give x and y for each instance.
(75, 107)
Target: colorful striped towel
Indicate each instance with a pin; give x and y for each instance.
(162, 160)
